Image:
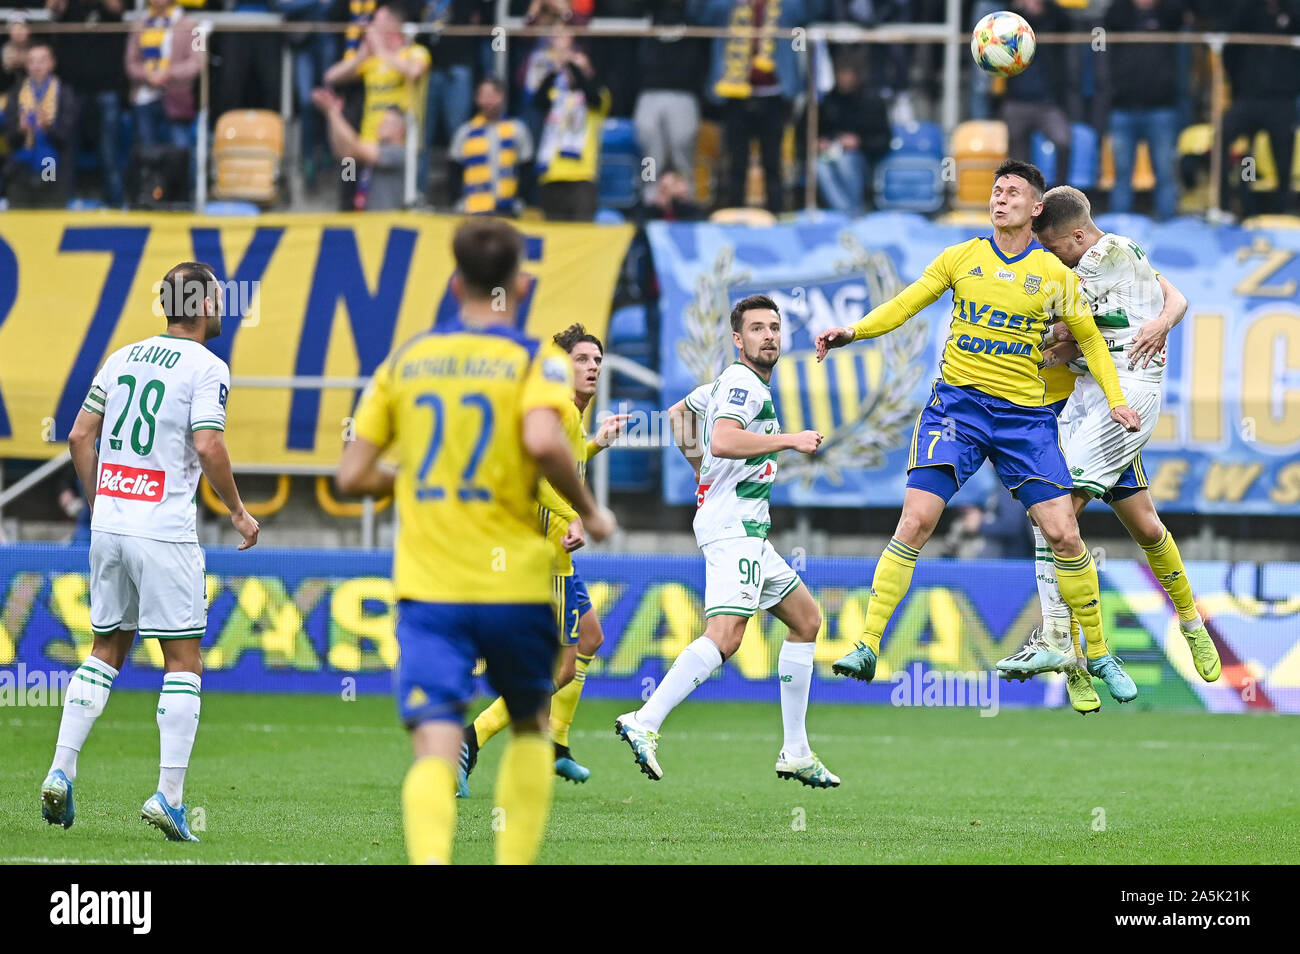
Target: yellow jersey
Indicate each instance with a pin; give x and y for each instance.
(386, 86)
(1002, 309)
(451, 404)
(553, 510)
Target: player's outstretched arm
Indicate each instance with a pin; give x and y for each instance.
(733, 442)
(85, 458)
(609, 430)
(686, 434)
(884, 318)
(1151, 337)
(545, 441)
(215, 461)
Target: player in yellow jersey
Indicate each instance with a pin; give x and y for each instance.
(580, 632)
(990, 403)
(472, 411)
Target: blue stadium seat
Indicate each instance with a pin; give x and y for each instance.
(917, 139)
(909, 182)
(628, 324)
(1084, 158)
(609, 217)
(635, 471)
(620, 165)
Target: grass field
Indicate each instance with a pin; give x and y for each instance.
(316, 779)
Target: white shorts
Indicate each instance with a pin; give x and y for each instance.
(155, 587)
(744, 574)
(1098, 450)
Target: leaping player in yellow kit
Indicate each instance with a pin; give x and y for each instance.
(473, 411)
(580, 632)
(989, 403)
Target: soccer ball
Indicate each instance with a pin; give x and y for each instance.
(1003, 43)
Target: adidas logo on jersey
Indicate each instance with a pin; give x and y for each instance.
(131, 483)
(976, 271)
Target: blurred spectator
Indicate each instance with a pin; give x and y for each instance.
(392, 69)
(94, 65)
(964, 539)
(1007, 534)
(161, 64)
(1035, 100)
(313, 53)
(72, 501)
(380, 165)
(853, 123)
(569, 148)
(451, 80)
(1265, 82)
(248, 76)
(13, 57)
(490, 150)
(756, 80)
(667, 113)
(1143, 84)
(556, 12)
(671, 201)
(40, 122)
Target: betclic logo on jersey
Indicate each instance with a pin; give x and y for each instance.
(131, 483)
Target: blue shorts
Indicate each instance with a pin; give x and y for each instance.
(962, 427)
(440, 644)
(571, 604)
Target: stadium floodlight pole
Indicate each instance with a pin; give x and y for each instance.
(1218, 101)
(201, 141)
(410, 31)
(952, 67)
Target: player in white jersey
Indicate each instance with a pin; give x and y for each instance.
(735, 468)
(1134, 308)
(157, 410)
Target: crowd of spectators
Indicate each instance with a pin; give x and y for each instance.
(84, 113)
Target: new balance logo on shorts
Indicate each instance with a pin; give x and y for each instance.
(131, 483)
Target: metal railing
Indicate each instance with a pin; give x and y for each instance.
(952, 35)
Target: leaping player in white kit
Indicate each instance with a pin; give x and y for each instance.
(1128, 300)
(164, 400)
(735, 469)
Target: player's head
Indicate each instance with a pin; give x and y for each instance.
(1064, 226)
(190, 296)
(1017, 189)
(488, 252)
(756, 330)
(587, 353)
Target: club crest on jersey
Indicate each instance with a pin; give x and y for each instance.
(1006, 274)
(737, 396)
(1031, 284)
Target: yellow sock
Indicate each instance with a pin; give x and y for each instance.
(429, 810)
(1077, 577)
(491, 721)
(523, 798)
(565, 702)
(1167, 564)
(888, 587)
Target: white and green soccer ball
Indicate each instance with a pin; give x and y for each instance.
(1003, 43)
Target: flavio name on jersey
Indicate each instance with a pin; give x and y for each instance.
(738, 396)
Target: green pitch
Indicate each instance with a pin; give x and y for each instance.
(316, 779)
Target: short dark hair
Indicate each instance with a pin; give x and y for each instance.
(394, 9)
(751, 303)
(1026, 170)
(1063, 207)
(183, 288)
(573, 335)
(487, 252)
(493, 81)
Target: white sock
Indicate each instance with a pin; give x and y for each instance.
(1190, 624)
(696, 663)
(794, 666)
(83, 702)
(178, 721)
(1056, 612)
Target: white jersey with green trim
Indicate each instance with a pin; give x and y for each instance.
(733, 496)
(153, 396)
(1124, 292)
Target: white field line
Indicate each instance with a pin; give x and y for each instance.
(25, 860)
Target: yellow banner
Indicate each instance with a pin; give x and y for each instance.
(326, 295)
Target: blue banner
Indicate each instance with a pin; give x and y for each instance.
(1228, 438)
(322, 621)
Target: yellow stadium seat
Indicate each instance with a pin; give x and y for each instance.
(708, 152)
(247, 149)
(753, 217)
(978, 146)
(1144, 176)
